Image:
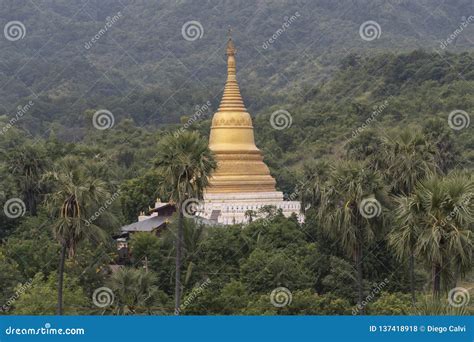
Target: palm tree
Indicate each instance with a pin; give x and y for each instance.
(442, 209)
(350, 206)
(27, 165)
(447, 149)
(429, 305)
(365, 147)
(193, 234)
(406, 158)
(404, 236)
(72, 203)
(186, 163)
(314, 174)
(134, 291)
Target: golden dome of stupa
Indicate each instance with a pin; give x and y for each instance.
(240, 162)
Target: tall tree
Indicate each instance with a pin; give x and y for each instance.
(404, 236)
(314, 174)
(447, 149)
(72, 204)
(406, 157)
(350, 206)
(442, 209)
(186, 163)
(27, 165)
(193, 234)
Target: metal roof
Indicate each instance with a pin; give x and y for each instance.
(147, 225)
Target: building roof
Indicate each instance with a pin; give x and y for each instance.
(161, 205)
(147, 225)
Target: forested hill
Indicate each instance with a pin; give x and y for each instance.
(382, 91)
(130, 57)
(365, 95)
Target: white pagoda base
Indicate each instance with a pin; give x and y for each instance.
(230, 208)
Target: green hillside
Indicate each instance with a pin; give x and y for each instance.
(340, 120)
(142, 68)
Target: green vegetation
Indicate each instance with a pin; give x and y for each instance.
(245, 264)
(74, 198)
(365, 129)
(142, 68)
(186, 163)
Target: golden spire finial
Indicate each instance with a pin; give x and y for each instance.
(230, 44)
(231, 99)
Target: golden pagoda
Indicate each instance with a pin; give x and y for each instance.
(242, 181)
(240, 162)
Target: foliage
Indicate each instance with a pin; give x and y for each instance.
(23, 246)
(391, 304)
(9, 277)
(303, 303)
(185, 163)
(40, 298)
(138, 194)
(263, 271)
(145, 245)
(330, 158)
(442, 209)
(233, 298)
(63, 76)
(135, 292)
(429, 305)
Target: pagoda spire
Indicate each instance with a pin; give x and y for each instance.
(241, 181)
(231, 99)
(241, 168)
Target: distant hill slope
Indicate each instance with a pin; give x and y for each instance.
(375, 93)
(140, 66)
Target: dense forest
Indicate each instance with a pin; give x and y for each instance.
(368, 120)
(142, 68)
